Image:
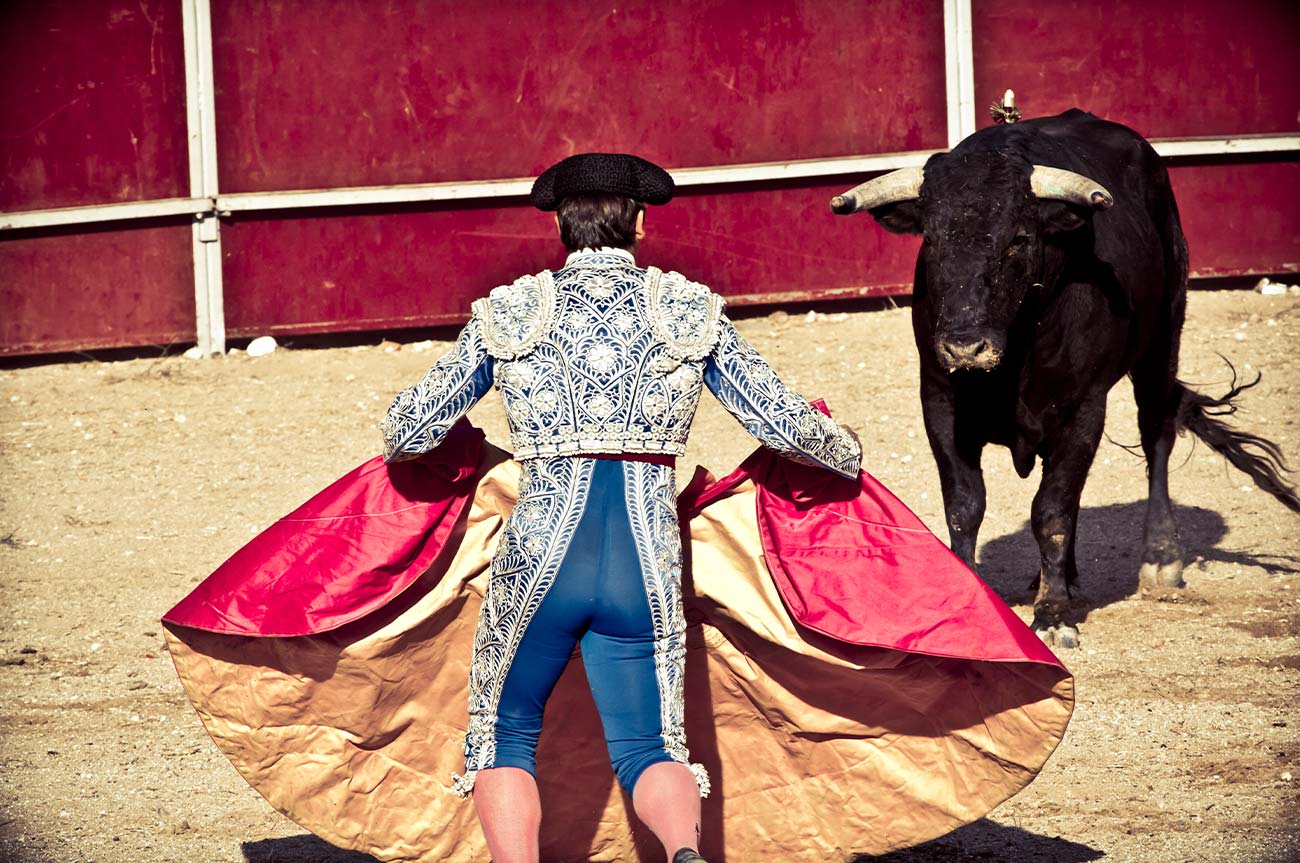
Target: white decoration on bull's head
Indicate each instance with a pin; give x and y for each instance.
(1057, 185)
(1006, 112)
(894, 187)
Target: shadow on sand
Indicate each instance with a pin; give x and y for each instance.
(300, 849)
(982, 842)
(986, 841)
(1109, 553)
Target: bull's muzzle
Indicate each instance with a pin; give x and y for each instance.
(960, 352)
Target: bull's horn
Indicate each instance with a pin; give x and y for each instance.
(1058, 185)
(901, 185)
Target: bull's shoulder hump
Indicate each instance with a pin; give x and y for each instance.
(1077, 114)
(684, 315)
(1088, 127)
(515, 317)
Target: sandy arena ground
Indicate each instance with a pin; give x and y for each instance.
(125, 483)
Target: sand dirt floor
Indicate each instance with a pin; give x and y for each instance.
(126, 482)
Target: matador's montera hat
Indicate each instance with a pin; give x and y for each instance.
(612, 173)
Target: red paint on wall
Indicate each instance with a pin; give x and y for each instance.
(313, 94)
(415, 268)
(350, 92)
(92, 109)
(74, 289)
(1240, 219)
(1167, 68)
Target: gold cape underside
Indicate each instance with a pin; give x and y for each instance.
(817, 750)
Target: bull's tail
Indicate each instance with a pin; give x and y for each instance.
(1257, 457)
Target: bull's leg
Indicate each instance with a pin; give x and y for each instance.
(1055, 517)
(960, 475)
(1157, 394)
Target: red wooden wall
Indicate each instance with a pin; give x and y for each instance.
(92, 111)
(486, 92)
(1169, 69)
(314, 94)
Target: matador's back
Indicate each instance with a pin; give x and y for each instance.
(604, 356)
(600, 357)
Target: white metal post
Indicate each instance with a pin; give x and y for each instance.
(959, 57)
(200, 119)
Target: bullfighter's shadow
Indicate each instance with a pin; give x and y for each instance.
(305, 848)
(1109, 554)
(984, 841)
(989, 842)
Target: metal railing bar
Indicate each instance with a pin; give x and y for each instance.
(1172, 148)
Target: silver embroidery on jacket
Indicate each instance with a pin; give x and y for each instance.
(600, 358)
(516, 316)
(772, 412)
(684, 314)
(552, 497)
(605, 357)
(648, 490)
(421, 416)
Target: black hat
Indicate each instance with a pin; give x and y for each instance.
(613, 173)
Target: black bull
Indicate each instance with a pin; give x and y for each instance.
(1053, 264)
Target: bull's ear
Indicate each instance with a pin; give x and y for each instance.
(903, 217)
(1058, 217)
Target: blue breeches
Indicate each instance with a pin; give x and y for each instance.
(598, 601)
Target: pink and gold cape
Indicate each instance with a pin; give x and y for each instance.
(852, 687)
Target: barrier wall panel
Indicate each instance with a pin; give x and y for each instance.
(353, 93)
(305, 273)
(92, 107)
(1240, 219)
(79, 288)
(1167, 68)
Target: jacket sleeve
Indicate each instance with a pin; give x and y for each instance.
(421, 416)
(772, 412)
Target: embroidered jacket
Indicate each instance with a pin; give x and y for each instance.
(601, 357)
(606, 357)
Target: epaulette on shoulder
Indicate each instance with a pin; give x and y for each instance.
(685, 315)
(514, 317)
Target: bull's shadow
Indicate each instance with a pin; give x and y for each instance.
(1109, 554)
(987, 841)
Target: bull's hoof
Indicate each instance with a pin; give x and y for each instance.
(1060, 635)
(1154, 576)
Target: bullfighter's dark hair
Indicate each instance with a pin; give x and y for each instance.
(592, 221)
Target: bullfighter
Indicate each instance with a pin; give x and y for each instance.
(601, 365)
